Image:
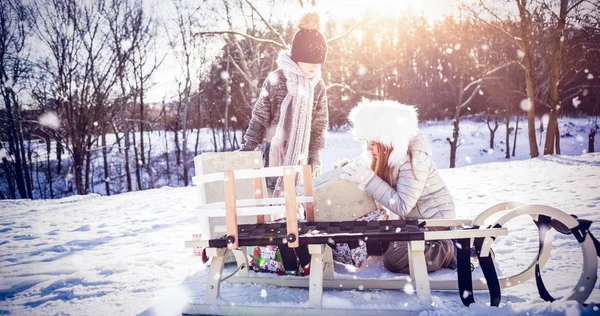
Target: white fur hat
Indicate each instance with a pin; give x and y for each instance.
(388, 122)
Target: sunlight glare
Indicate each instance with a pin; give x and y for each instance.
(432, 10)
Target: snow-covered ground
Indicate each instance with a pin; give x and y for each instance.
(124, 254)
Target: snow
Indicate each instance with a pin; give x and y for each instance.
(125, 255)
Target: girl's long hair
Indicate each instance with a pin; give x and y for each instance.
(381, 166)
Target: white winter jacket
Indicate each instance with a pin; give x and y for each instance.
(424, 197)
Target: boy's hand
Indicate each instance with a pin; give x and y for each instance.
(340, 163)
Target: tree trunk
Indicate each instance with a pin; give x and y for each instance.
(88, 159)
(525, 35)
(164, 111)
(197, 142)
(127, 168)
(142, 158)
(177, 147)
(507, 156)
(105, 163)
(9, 176)
(185, 161)
(78, 160)
(515, 140)
(59, 149)
(591, 140)
(557, 138)
(26, 173)
(49, 166)
(492, 130)
(551, 139)
(13, 145)
(138, 174)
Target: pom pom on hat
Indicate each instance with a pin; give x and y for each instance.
(310, 21)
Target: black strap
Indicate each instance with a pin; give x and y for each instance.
(544, 224)
(489, 272)
(463, 267)
(465, 279)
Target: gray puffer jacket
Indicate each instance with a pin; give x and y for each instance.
(266, 115)
(424, 197)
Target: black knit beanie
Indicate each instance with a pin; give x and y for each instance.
(309, 45)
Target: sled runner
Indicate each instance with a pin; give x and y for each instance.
(377, 235)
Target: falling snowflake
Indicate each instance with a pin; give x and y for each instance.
(525, 105)
(576, 102)
(545, 119)
(398, 230)
(125, 45)
(50, 120)
(361, 287)
(107, 180)
(362, 70)
(264, 93)
(329, 202)
(586, 70)
(224, 75)
(449, 50)
(457, 47)
(233, 119)
(490, 151)
(330, 240)
(520, 53)
(263, 293)
(590, 76)
(468, 159)
(8, 84)
(465, 294)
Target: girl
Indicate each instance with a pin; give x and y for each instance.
(291, 112)
(401, 177)
(291, 115)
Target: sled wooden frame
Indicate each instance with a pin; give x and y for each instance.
(322, 274)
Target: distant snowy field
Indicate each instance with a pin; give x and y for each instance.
(124, 254)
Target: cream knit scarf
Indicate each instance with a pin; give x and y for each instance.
(289, 145)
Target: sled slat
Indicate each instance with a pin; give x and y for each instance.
(254, 202)
(469, 233)
(258, 194)
(231, 216)
(245, 174)
(308, 191)
(289, 186)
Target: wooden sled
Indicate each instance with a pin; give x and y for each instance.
(317, 235)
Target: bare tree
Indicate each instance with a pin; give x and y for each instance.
(552, 132)
(524, 44)
(14, 54)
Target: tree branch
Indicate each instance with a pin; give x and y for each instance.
(348, 31)
(268, 24)
(252, 38)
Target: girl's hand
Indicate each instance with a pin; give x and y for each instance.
(357, 172)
